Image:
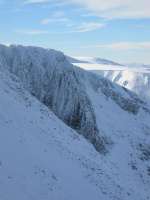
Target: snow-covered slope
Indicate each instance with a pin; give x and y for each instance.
(135, 77)
(48, 75)
(136, 80)
(42, 158)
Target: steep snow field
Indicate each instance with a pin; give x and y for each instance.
(137, 80)
(135, 77)
(42, 158)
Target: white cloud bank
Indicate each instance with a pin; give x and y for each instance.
(118, 8)
(108, 8)
(82, 27)
(55, 17)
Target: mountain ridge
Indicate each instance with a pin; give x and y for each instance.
(44, 158)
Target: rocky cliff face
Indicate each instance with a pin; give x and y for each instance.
(48, 76)
(55, 82)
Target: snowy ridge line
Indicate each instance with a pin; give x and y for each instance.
(48, 76)
(43, 158)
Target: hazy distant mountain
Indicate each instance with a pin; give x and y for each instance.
(137, 65)
(135, 76)
(91, 60)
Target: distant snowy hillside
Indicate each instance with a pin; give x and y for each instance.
(42, 158)
(135, 77)
(137, 65)
(92, 60)
(137, 81)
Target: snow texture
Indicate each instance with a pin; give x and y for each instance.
(134, 77)
(43, 158)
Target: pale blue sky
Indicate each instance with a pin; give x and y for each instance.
(112, 29)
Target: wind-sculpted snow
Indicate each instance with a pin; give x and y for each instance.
(42, 158)
(54, 81)
(127, 100)
(136, 80)
(62, 87)
(135, 77)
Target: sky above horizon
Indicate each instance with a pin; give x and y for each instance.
(114, 29)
